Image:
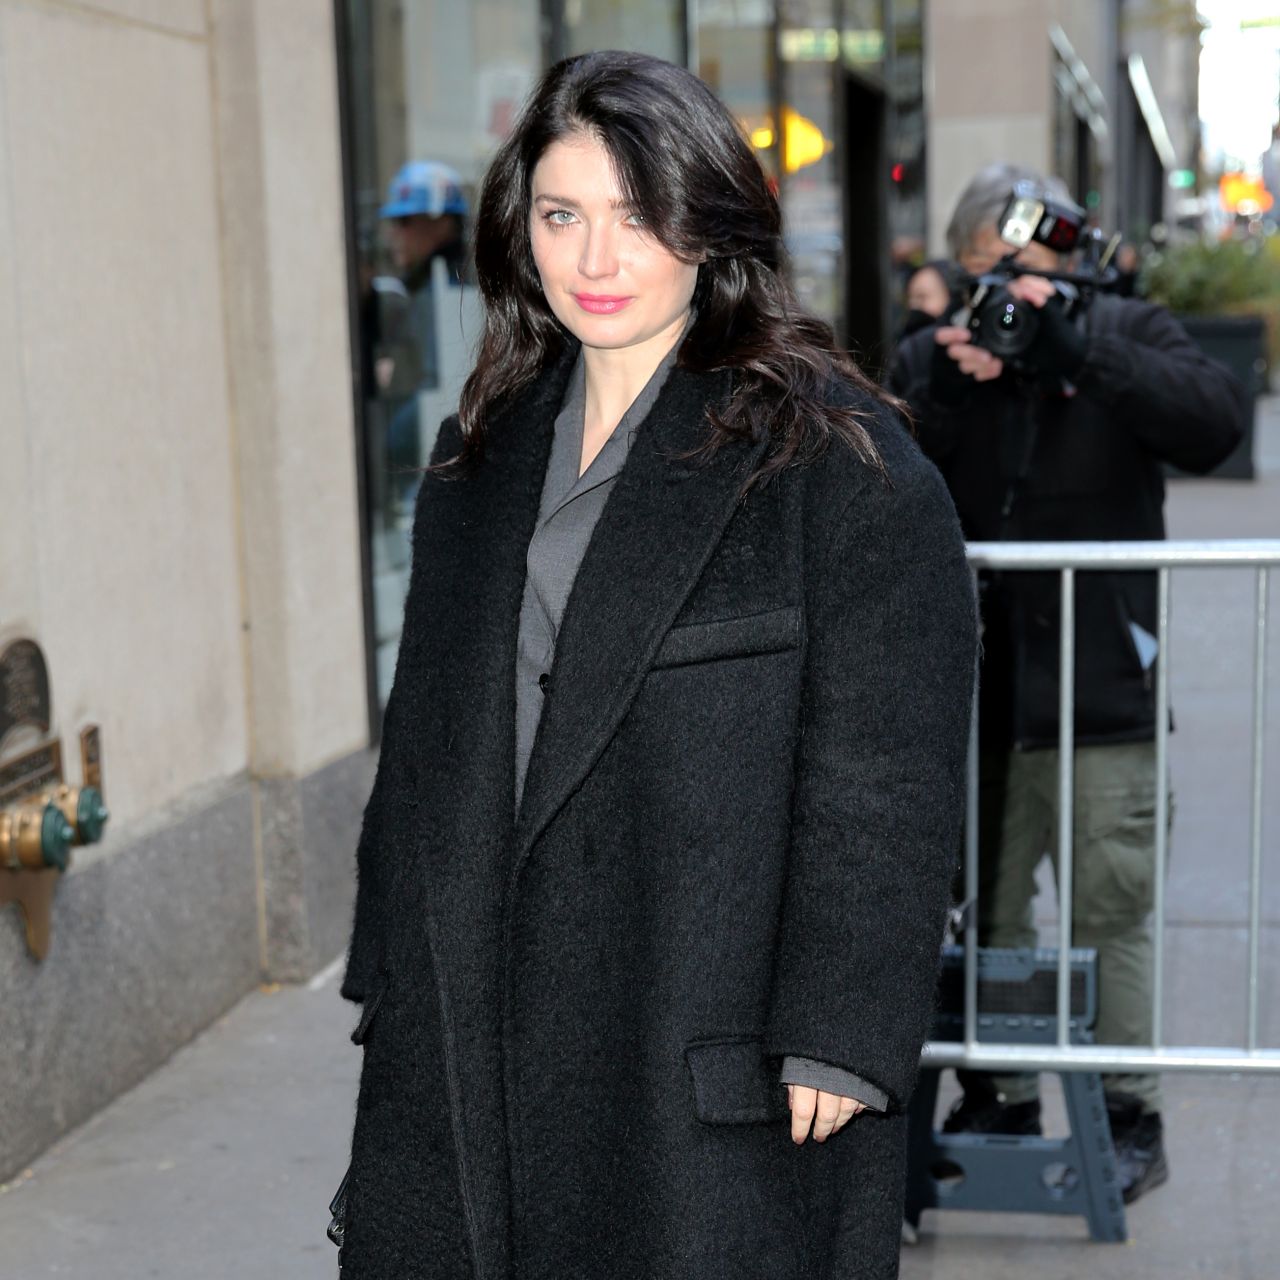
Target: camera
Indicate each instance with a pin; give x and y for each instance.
(1007, 326)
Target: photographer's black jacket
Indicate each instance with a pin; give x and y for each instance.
(1025, 465)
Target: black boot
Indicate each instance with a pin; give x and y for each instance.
(982, 1110)
(1138, 1137)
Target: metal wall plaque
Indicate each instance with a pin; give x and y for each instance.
(32, 771)
(91, 756)
(24, 687)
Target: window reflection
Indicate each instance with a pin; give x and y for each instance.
(433, 89)
(809, 45)
(734, 44)
(644, 26)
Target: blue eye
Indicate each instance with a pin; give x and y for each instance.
(553, 217)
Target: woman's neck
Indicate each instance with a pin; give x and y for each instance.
(615, 376)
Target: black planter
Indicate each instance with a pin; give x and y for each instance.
(1239, 342)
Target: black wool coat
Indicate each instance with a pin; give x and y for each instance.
(735, 843)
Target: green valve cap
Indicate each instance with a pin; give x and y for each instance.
(56, 835)
(91, 815)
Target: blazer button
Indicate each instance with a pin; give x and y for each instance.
(542, 681)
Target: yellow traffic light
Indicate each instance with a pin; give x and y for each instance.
(803, 143)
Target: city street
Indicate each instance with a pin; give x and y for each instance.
(222, 1162)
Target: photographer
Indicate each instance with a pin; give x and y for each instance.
(1064, 439)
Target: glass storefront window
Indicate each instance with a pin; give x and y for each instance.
(432, 89)
(907, 207)
(642, 26)
(809, 164)
(735, 56)
(863, 39)
(810, 169)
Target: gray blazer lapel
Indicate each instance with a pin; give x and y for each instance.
(655, 536)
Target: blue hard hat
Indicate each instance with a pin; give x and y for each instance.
(424, 186)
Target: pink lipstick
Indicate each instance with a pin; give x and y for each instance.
(600, 304)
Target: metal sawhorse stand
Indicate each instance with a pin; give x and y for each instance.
(1004, 1173)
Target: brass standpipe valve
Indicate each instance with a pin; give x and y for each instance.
(35, 836)
(42, 818)
(83, 808)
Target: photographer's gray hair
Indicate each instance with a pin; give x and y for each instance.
(982, 202)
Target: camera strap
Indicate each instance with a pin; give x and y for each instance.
(1018, 434)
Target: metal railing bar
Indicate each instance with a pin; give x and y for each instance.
(1255, 852)
(971, 883)
(991, 1056)
(1124, 555)
(1162, 803)
(1066, 798)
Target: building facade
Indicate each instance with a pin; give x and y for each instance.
(1101, 93)
(179, 531)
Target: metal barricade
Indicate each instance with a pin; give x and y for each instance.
(1068, 558)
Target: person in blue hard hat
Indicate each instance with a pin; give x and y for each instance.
(423, 218)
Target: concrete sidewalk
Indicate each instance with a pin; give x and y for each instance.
(222, 1163)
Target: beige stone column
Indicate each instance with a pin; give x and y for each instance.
(988, 87)
(284, 272)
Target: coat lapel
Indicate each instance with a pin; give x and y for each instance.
(473, 552)
(654, 538)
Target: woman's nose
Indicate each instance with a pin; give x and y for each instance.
(599, 253)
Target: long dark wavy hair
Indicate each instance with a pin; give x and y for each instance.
(684, 166)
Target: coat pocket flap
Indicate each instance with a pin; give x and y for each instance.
(369, 1010)
(733, 1083)
(768, 632)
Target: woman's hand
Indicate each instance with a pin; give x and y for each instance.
(826, 1112)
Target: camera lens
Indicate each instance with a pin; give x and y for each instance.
(1005, 325)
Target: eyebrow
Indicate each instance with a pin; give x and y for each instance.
(573, 204)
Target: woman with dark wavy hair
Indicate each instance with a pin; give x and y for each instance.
(653, 875)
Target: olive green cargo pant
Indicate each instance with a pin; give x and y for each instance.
(1113, 871)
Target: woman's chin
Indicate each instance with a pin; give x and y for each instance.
(613, 333)
(605, 333)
